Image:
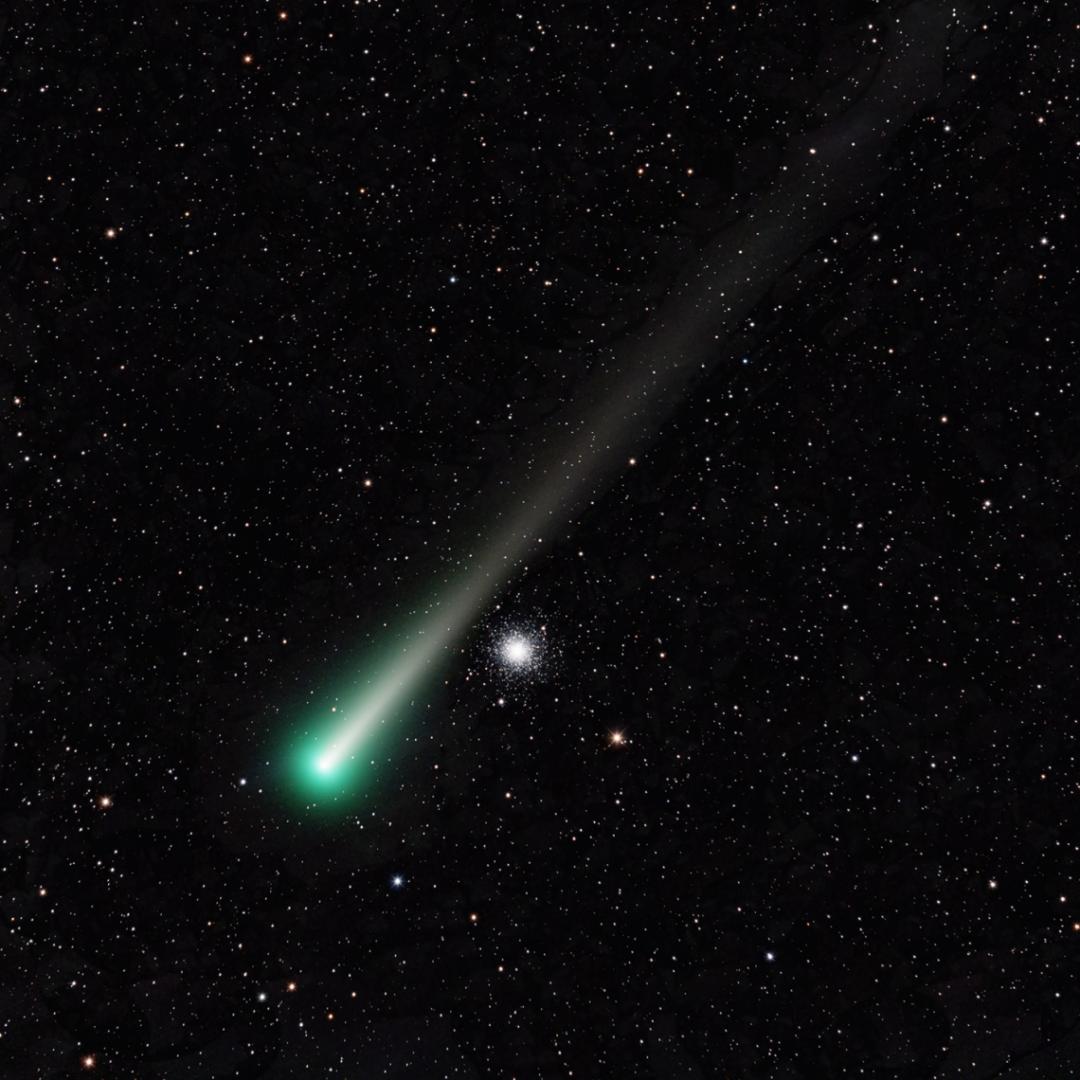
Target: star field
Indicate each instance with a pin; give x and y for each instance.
(759, 761)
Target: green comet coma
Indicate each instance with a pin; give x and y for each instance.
(332, 753)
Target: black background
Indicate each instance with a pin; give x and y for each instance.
(831, 608)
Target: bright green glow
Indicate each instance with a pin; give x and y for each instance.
(338, 746)
(333, 759)
(370, 709)
(312, 781)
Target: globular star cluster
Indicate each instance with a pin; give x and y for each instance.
(516, 656)
(517, 651)
(540, 544)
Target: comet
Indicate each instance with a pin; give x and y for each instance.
(824, 175)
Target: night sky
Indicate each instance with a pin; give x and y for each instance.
(759, 759)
